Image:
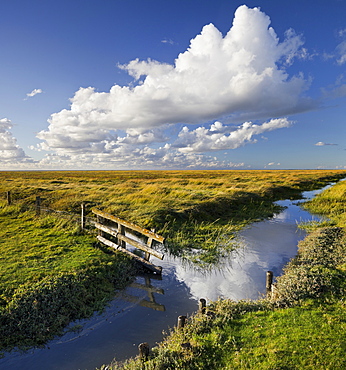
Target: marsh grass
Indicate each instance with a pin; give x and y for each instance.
(331, 203)
(246, 335)
(190, 208)
(51, 269)
(301, 327)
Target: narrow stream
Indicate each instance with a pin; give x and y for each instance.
(152, 304)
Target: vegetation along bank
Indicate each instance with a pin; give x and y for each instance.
(52, 272)
(300, 325)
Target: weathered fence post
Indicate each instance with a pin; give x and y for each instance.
(83, 216)
(38, 206)
(274, 292)
(202, 305)
(144, 351)
(269, 282)
(181, 321)
(121, 231)
(8, 195)
(149, 244)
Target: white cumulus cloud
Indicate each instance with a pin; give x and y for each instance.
(10, 151)
(220, 137)
(129, 156)
(237, 77)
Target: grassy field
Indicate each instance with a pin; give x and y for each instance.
(52, 272)
(192, 209)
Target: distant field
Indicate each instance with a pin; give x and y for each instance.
(137, 195)
(193, 209)
(47, 262)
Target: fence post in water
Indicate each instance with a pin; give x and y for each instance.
(83, 216)
(202, 305)
(8, 194)
(144, 351)
(181, 321)
(269, 282)
(38, 206)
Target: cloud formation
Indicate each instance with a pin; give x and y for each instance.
(33, 93)
(10, 152)
(130, 156)
(217, 76)
(341, 48)
(237, 77)
(220, 137)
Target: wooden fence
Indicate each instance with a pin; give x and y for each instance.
(112, 232)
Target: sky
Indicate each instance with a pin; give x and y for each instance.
(184, 84)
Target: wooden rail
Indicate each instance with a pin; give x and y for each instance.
(145, 263)
(126, 239)
(129, 225)
(115, 227)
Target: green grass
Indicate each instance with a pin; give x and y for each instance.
(51, 274)
(331, 203)
(307, 337)
(302, 326)
(39, 247)
(245, 335)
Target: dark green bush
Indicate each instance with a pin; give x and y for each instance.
(314, 273)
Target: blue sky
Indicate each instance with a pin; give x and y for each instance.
(153, 84)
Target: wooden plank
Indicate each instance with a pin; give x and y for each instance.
(126, 239)
(129, 225)
(148, 265)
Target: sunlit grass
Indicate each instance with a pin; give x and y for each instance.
(331, 203)
(190, 208)
(36, 248)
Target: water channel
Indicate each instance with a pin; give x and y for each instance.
(151, 305)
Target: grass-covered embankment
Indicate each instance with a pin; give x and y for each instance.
(51, 274)
(332, 204)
